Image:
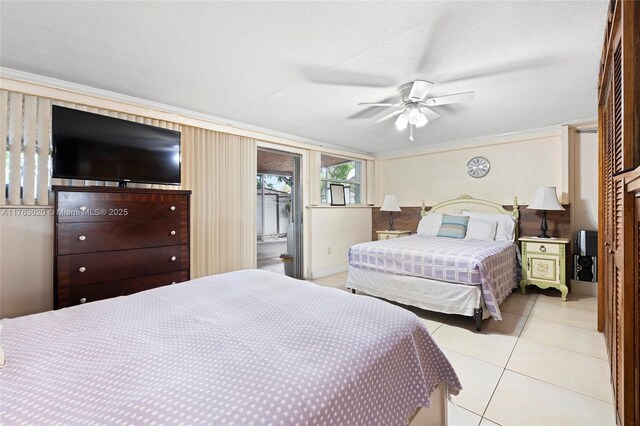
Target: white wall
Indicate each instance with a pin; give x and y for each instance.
(519, 164)
(332, 231)
(584, 200)
(26, 261)
(584, 195)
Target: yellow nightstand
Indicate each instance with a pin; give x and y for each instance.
(387, 235)
(543, 263)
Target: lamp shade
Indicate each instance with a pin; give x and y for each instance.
(545, 199)
(390, 204)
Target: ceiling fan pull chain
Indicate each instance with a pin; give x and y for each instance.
(411, 132)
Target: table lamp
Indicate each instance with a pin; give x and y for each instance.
(390, 205)
(545, 199)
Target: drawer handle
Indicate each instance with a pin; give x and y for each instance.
(172, 208)
(173, 258)
(83, 300)
(82, 269)
(83, 208)
(173, 232)
(543, 249)
(387, 237)
(82, 238)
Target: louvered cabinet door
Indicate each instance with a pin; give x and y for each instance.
(619, 223)
(637, 307)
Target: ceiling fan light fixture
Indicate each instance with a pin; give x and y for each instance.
(414, 110)
(414, 115)
(421, 121)
(402, 121)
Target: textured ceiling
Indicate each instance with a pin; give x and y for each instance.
(301, 68)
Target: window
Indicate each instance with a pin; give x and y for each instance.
(342, 171)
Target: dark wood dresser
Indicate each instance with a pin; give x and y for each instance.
(116, 241)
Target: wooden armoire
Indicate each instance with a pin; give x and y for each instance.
(619, 211)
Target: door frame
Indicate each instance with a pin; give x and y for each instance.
(304, 189)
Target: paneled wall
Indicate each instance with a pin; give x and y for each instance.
(559, 221)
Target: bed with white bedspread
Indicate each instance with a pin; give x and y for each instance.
(247, 347)
(490, 265)
(466, 276)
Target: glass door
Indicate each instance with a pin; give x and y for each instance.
(279, 212)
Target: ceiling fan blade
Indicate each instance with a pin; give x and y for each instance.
(420, 89)
(376, 104)
(450, 99)
(390, 115)
(430, 114)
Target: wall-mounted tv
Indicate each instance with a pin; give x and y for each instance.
(96, 147)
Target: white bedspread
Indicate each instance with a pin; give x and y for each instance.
(249, 347)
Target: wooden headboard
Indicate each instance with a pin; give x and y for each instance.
(466, 203)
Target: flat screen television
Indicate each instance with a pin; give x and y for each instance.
(96, 147)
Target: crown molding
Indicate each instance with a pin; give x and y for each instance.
(462, 144)
(24, 82)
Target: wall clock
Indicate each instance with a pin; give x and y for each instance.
(478, 167)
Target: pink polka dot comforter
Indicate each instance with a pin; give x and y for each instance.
(247, 347)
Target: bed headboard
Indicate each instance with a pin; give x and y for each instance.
(466, 203)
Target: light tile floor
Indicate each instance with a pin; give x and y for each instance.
(544, 364)
(272, 264)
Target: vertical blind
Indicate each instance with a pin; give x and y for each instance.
(25, 148)
(220, 170)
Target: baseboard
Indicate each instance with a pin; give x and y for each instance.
(584, 287)
(326, 271)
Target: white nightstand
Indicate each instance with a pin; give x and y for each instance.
(387, 235)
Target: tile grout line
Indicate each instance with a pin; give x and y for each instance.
(507, 363)
(562, 349)
(560, 387)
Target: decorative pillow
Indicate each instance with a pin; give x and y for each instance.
(430, 224)
(453, 226)
(480, 229)
(506, 230)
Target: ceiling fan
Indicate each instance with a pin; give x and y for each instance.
(414, 109)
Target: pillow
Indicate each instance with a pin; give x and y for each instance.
(480, 229)
(430, 224)
(453, 226)
(506, 230)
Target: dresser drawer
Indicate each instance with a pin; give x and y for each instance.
(74, 206)
(82, 237)
(541, 247)
(79, 269)
(71, 296)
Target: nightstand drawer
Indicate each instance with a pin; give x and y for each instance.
(543, 247)
(388, 235)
